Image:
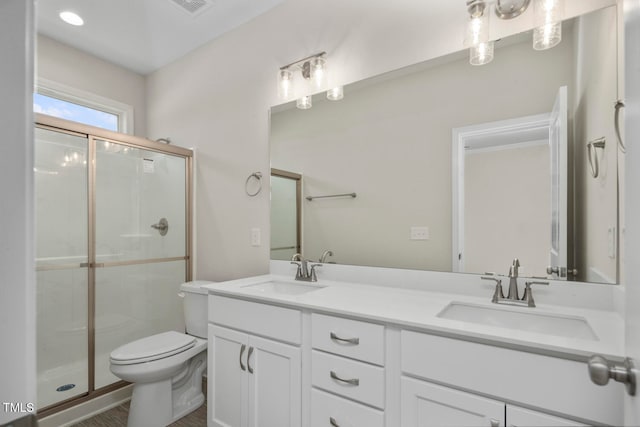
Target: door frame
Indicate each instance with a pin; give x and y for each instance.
(475, 137)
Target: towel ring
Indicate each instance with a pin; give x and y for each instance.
(257, 176)
(593, 155)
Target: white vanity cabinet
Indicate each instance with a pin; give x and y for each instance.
(558, 385)
(253, 381)
(347, 372)
(425, 404)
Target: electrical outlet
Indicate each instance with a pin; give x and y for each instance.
(255, 237)
(419, 233)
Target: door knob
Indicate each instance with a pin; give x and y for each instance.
(601, 370)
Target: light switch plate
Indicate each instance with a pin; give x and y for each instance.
(255, 237)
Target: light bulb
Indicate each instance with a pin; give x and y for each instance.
(335, 94)
(481, 54)
(318, 71)
(477, 30)
(285, 84)
(548, 19)
(304, 103)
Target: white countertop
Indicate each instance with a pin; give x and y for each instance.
(419, 309)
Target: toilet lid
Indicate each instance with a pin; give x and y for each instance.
(152, 348)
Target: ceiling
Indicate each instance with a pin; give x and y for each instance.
(145, 35)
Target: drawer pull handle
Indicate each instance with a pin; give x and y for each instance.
(242, 348)
(352, 381)
(249, 360)
(333, 422)
(354, 341)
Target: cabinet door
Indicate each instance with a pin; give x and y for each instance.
(227, 377)
(424, 404)
(520, 417)
(274, 384)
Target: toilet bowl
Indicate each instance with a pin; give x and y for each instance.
(166, 369)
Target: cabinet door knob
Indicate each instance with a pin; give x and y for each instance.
(351, 381)
(335, 337)
(249, 360)
(242, 348)
(333, 422)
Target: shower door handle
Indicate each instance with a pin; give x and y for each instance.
(162, 226)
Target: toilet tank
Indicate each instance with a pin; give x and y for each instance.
(194, 301)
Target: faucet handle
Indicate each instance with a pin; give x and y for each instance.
(314, 277)
(497, 294)
(299, 271)
(528, 295)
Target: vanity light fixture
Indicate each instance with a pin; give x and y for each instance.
(313, 70)
(71, 18)
(546, 34)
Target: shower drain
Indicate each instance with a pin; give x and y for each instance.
(65, 387)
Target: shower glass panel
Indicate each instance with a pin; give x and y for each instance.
(135, 189)
(133, 302)
(60, 176)
(141, 247)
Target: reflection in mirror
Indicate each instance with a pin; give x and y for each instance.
(390, 141)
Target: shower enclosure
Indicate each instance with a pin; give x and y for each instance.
(113, 245)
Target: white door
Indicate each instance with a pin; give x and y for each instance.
(559, 196)
(424, 404)
(632, 195)
(227, 377)
(520, 417)
(274, 384)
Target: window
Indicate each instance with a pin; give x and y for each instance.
(71, 111)
(68, 103)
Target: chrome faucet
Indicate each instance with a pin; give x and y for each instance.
(513, 280)
(512, 296)
(324, 256)
(304, 273)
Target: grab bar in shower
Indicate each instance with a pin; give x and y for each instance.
(352, 195)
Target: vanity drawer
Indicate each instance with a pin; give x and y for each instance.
(326, 407)
(351, 338)
(355, 380)
(280, 323)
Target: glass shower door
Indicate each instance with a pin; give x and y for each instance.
(140, 247)
(60, 176)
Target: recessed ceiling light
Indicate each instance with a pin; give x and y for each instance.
(71, 18)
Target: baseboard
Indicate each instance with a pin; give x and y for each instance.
(87, 409)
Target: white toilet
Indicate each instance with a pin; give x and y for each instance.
(166, 369)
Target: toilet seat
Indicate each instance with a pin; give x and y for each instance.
(152, 348)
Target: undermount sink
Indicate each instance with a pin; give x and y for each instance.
(514, 318)
(284, 288)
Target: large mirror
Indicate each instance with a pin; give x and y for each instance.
(451, 167)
